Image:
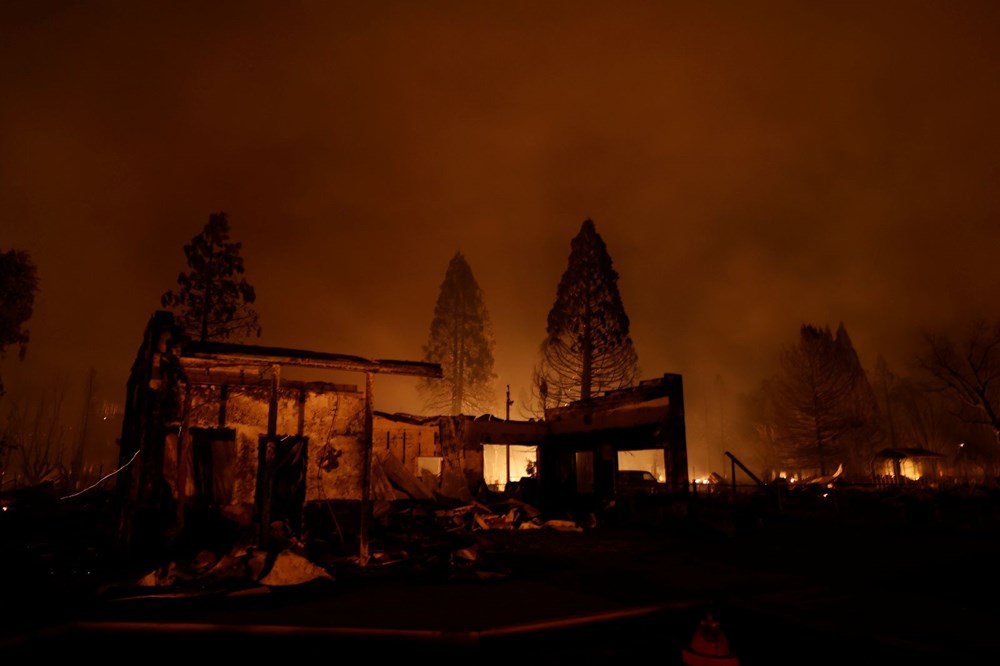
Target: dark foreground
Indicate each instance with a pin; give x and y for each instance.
(912, 584)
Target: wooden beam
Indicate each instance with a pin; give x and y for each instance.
(201, 371)
(224, 353)
(242, 375)
(265, 459)
(184, 433)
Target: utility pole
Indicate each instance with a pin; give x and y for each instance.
(507, 446)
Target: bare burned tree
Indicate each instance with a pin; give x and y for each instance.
(967, 370)
(927, 418)
(78, 462)
(37, 435)
(912, 415)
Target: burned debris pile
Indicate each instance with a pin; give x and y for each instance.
(417, 532)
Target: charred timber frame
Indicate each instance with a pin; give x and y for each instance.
(228, 357)
(228, 364)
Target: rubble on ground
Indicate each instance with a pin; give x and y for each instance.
(417, 529)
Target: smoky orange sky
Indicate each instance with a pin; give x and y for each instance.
(752, 166)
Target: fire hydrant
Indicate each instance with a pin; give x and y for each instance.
(709, 646)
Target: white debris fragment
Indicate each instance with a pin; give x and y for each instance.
(292, 569)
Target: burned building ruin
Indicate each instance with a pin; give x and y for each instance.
(215, 430)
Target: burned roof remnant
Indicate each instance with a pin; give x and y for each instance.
(231, 355)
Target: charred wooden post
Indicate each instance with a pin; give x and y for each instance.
(366, 470)
(675, 431)
(272, 410)
(183, 445)
(301, 428)
(733, 476)
(736, 462)
(508, 462)
(223, 399)
(265, 460)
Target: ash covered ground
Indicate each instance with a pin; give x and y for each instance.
(901, 575)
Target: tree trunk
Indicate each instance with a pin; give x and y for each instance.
(456, 370)
(204, 312)
(588, 355)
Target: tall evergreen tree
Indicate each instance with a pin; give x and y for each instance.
(823, 407)
(588, 348)
(18, 284)
(861, 411)
(461, 341)
(214, 300)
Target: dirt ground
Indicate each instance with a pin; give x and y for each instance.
(904, 578)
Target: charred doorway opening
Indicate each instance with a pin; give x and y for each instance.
(281, 483)
(584, 468)
(213, 471)
(213, 458)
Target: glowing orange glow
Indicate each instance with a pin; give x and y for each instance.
(466, 120)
